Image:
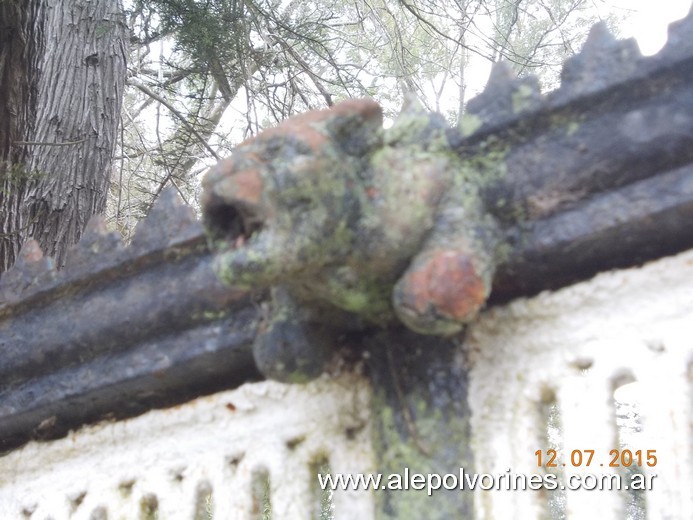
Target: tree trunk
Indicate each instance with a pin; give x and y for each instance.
(62, 71)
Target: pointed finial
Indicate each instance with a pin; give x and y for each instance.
(169, 221)
(603, 61)
(96, 244)
(598, 39)
(679, 42)
(501, 75)
(504, 97)
(31, 270)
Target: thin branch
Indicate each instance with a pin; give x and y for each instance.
(39, 143)
(135, 83)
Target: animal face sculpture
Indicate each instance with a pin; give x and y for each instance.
(350, 224)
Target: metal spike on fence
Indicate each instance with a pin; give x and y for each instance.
(96, 242)
(599, 38)
(505, 96)
(679, 41)
(31, 269)
(170, 221)
(603, 61)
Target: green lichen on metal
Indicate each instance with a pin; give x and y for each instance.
(363, 295)
(566, 121)
(484, 167)
(572, 128)
(469, 123)
(210, 315)
(409, 123)
(341, 213)
(523, 98)
(437, 436)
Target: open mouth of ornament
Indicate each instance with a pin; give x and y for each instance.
(234, 223)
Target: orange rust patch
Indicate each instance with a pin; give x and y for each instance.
(448, 282)
(367, 108)
(245, 185)
(31, 251)
(308, 127)
(297, 128)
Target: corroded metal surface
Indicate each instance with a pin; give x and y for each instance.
(599, 173)
(119, 330)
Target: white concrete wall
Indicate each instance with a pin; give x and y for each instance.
(578, 344)
(172, 457)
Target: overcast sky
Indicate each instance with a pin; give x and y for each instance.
(650, 20)
(647, 23)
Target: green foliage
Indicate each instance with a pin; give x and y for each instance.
(13, 175)
(102, 29)
(204, 30)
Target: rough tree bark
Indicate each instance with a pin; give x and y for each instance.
(62, 70)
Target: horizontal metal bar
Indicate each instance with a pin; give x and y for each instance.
(641, 221)
(119, 330)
